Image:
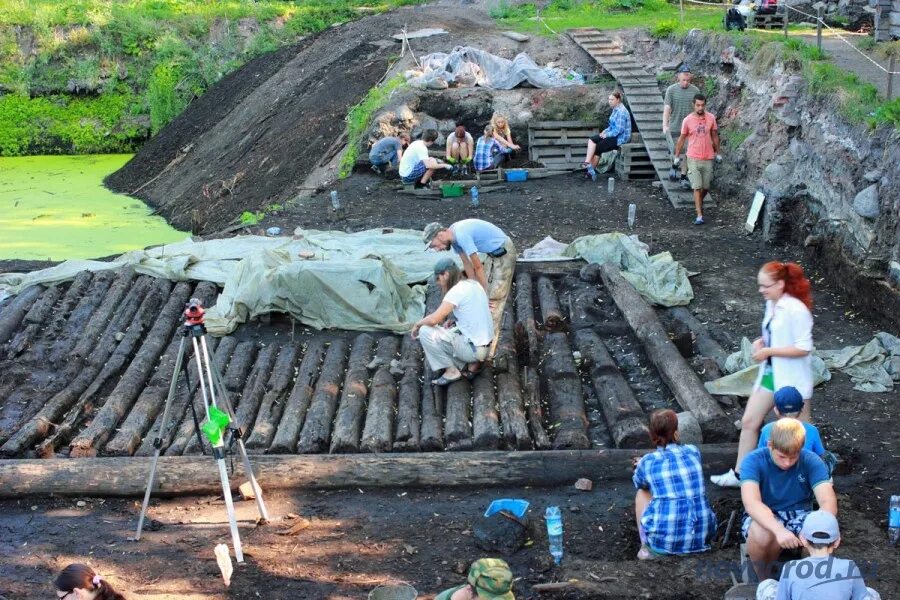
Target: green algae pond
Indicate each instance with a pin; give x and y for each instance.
(56, 208)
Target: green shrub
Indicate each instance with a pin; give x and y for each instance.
(664, 29)
(889, 112)
(162, 97)
(867, 43)
(504, 10)
(358, 119)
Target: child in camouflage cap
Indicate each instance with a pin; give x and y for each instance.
(489, 579)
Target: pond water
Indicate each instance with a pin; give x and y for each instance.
(56, 208)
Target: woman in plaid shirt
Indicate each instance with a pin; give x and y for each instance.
(673, 515)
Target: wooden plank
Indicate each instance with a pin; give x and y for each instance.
(557, 124)
(183, 475)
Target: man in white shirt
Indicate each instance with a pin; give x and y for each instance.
(416, 166)
(451, 344)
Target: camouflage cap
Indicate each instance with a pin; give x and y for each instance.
(491, 579)
(431, 230)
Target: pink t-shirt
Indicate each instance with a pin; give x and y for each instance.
(698, 130)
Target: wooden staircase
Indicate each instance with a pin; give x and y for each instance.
(643, 98)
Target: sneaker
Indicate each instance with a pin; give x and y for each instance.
(699, 221)
(685, 184)
(674, 175)
(378, 169)
(592, 172)
(729, 479)
(464, 171)
(423, 186)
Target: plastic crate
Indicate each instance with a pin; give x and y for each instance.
(516, 174)
(451, 190)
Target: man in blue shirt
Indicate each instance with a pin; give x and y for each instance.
(778, 483)
(470, 237)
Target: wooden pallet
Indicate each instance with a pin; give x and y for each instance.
(559, 144)
(644, 99)
(775, 21)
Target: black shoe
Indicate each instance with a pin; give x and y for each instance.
(423, 186)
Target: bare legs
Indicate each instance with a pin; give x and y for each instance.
(758, 406)
(699, 195)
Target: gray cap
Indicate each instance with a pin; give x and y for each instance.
(445, 264)
(431, 230)
(820, 527)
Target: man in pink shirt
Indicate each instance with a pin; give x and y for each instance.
(701, 132)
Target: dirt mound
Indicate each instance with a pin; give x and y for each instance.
(252, 139)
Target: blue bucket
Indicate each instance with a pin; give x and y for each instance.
(514, 506)
(516, 174)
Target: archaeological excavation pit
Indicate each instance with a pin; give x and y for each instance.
(582, 361)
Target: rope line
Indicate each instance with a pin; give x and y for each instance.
(814, 18)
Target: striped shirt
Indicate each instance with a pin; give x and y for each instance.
(678, 519)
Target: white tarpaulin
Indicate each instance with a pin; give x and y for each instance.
(353, 281)
(467, 66)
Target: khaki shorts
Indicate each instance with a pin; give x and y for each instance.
(700, 173)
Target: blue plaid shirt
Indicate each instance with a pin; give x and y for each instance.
(484, 153)
(619, 125)
(678, 519)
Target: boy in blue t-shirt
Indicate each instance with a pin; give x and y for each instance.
(777, 487)
(789, 403)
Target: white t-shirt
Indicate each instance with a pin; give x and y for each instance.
(471, 310)
(414, 153)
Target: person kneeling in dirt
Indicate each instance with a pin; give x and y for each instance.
(460, 150)
(488, 152)
(416, 166)
(488, 579)
(469, 237)
(673, 515)
(80, 582)
(388, 152)
(820, 575)
(777, 487)
(503, 135)
(451, 344)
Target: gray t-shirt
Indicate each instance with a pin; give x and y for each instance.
(681, 100)
(821, 578)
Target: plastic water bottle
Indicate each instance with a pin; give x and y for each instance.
(611, 185)
(473, 191)
(335, 201)
(632, 211)
(894, 520)
(555, 532)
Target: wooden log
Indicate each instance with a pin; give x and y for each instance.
(77, 289)
(68, 336)
(13, 314)
(378, 433)
(136, 375)
(101, 318)
(567, 414)
(582, 308)
(512, 411)
(505, 356)
(528, 340)
(181, 475)
(270, 409)
(352, 407)
(83, 376)
(35, 320)
(432, 415)
(457, 426)
(674, 371)
(385, 352)
(297, 405)
(551, 314)
(239, 368)
(152, 398)
(182, 428)
(485, 418)
(317, 429)
(534, 406)
(255, 388)
(406, 438)
(624, 416)
(706, 345)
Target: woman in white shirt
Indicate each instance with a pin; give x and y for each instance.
(784, 353)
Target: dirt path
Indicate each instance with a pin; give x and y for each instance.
(852, 61)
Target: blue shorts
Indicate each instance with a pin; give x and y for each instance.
(416, 173)
(791, 519)
(383, 158)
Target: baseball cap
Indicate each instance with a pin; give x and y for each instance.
(788, 400)
(431, 230)
(444, 264)
(491, 579)
(820, 527)
(684, 69)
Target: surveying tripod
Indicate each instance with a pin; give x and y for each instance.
(219, 427)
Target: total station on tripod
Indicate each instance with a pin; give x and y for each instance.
(193, 312)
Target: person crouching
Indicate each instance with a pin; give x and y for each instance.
(451, 343)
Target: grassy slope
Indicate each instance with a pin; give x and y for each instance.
(86, 76)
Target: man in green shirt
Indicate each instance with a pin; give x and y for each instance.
(489, 579)
(679, 103)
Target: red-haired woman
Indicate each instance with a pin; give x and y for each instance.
(784, 353)
(673, 515)
(80, 582)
